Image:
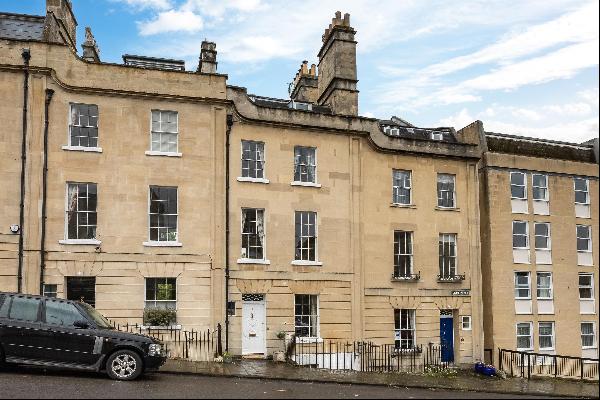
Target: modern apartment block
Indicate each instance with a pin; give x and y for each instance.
(142, 185)
(539, 219)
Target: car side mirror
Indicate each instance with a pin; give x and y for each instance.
(81, 325)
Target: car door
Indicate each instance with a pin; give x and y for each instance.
(20, 327)
(67, 343)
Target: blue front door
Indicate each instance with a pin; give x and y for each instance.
(447, 339)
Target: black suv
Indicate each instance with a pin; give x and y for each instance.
(53, 332)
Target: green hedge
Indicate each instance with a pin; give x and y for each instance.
(159, 316)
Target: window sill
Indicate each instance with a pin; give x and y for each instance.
(523, 298)
(162, 244)
(306, 184)
(253, 261)
(163, 153)
(309, 340)
(398, 205)
(84, 149)
(307, 263)
(253, 180)
(81, 241)
(456, 209)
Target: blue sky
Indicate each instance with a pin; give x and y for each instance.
(522, 67)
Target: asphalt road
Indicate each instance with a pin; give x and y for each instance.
(38, 383)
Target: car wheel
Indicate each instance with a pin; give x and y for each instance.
(124, 365)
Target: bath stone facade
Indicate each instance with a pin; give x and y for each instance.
(331, 226)
(539, 219)
(103, 161)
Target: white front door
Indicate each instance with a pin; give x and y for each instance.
(254, 324)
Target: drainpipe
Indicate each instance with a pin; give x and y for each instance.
(26, 57)
(227, 134)
(49, 94)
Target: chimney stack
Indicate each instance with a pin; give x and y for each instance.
(208, 58)
(91, 52)
(60, 25)
(337, 67)
(305, 87)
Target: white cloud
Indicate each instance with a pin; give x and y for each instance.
(570, 131)
(172, 20)
(563, 63)
(516, 60)
(578, 26)
(569, 121)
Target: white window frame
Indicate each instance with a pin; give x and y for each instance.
(533, 187)
(586, 191)
(553, 336)
(408, 252)
(396, 188)
(527, 245)
(548, 238)
(590, 286)
(309, 339)
(465, 319)
(300, 261)
(50, 293)
(524, 185)
(163, 243)
(66, 239)
(153, 152)
(70, 146)
(445, 272)
(530, 324)
(538, 288)
(412, 316)
(243, 178)
(589, 238)
(517, 286)
(160, 301)
(316, 169)
(247, 259)
(593, 334)
(439, 192)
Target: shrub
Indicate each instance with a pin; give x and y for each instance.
(159, 316)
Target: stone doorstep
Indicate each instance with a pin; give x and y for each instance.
(466, 382)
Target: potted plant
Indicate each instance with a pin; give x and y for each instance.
(227, 358)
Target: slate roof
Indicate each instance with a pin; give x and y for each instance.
(21, 27)
(400, 129)
(285, 103)
(154, 62)
(534, 147)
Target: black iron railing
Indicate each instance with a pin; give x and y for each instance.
(451, 278)
(406, 277)
(364, 356)
(193, 345)
(526, 365)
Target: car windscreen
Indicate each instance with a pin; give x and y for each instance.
(98, 318)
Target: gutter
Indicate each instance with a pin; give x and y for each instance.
(26, 57)
(49, 94)
(227, 135)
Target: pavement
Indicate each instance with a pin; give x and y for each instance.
(29, 382)
(464, 381)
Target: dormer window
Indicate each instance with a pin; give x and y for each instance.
(300, 106)
(391, 131)
(437, 136)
